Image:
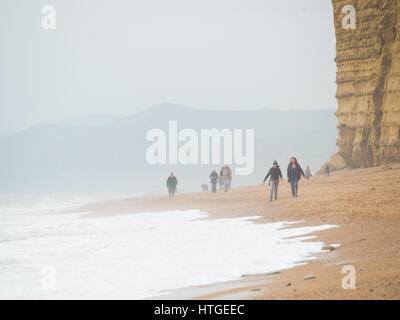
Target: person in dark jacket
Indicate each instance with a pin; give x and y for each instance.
(214, 180)
(171, 185)
(275, 174)
(294, 173)
(327, 171)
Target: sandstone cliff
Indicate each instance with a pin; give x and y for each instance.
(368, 82)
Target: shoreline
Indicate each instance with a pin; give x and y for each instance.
(364, 203)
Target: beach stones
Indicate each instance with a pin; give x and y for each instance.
(309, 277)
(272, 273)
(328, 247)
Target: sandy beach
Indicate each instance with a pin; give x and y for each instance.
(364, 203)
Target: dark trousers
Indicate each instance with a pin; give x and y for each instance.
(171, 191)
(294, 184)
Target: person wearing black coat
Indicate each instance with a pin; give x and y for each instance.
(275, 174)
(171, 185)
(214, 180)
(294, 173)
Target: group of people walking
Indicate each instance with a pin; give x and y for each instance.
(294, 173)
(224, 179)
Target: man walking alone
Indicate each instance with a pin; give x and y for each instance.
(171, 185)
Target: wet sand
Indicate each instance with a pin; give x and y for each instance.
(364, 203)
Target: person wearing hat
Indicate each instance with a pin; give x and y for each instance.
(275, 174)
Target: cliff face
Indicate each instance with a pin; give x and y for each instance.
(368, 82)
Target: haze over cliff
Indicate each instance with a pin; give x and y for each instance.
(368, 83)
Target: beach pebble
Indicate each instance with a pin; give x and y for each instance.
(363, 239)
(328, 247)
(272, 273)
(256, 289)
(288, 284)
(309, 277)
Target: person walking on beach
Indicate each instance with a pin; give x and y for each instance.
(226, 174)
(294, 173)
(214, 180)
(327, 171)
(171, 185)
(308, 172)
(275, 174)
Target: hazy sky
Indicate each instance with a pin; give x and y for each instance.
(121, 56)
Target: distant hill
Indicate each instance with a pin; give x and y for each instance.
(109, 157)
(93, 120)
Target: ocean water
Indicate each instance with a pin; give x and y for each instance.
(47, 254)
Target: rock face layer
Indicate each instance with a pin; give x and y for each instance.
(368, 82)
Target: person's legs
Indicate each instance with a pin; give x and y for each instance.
(226, 184)
(292, 186)
(170, 192)
(276, 190)
(271, 190)
(296, 187)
